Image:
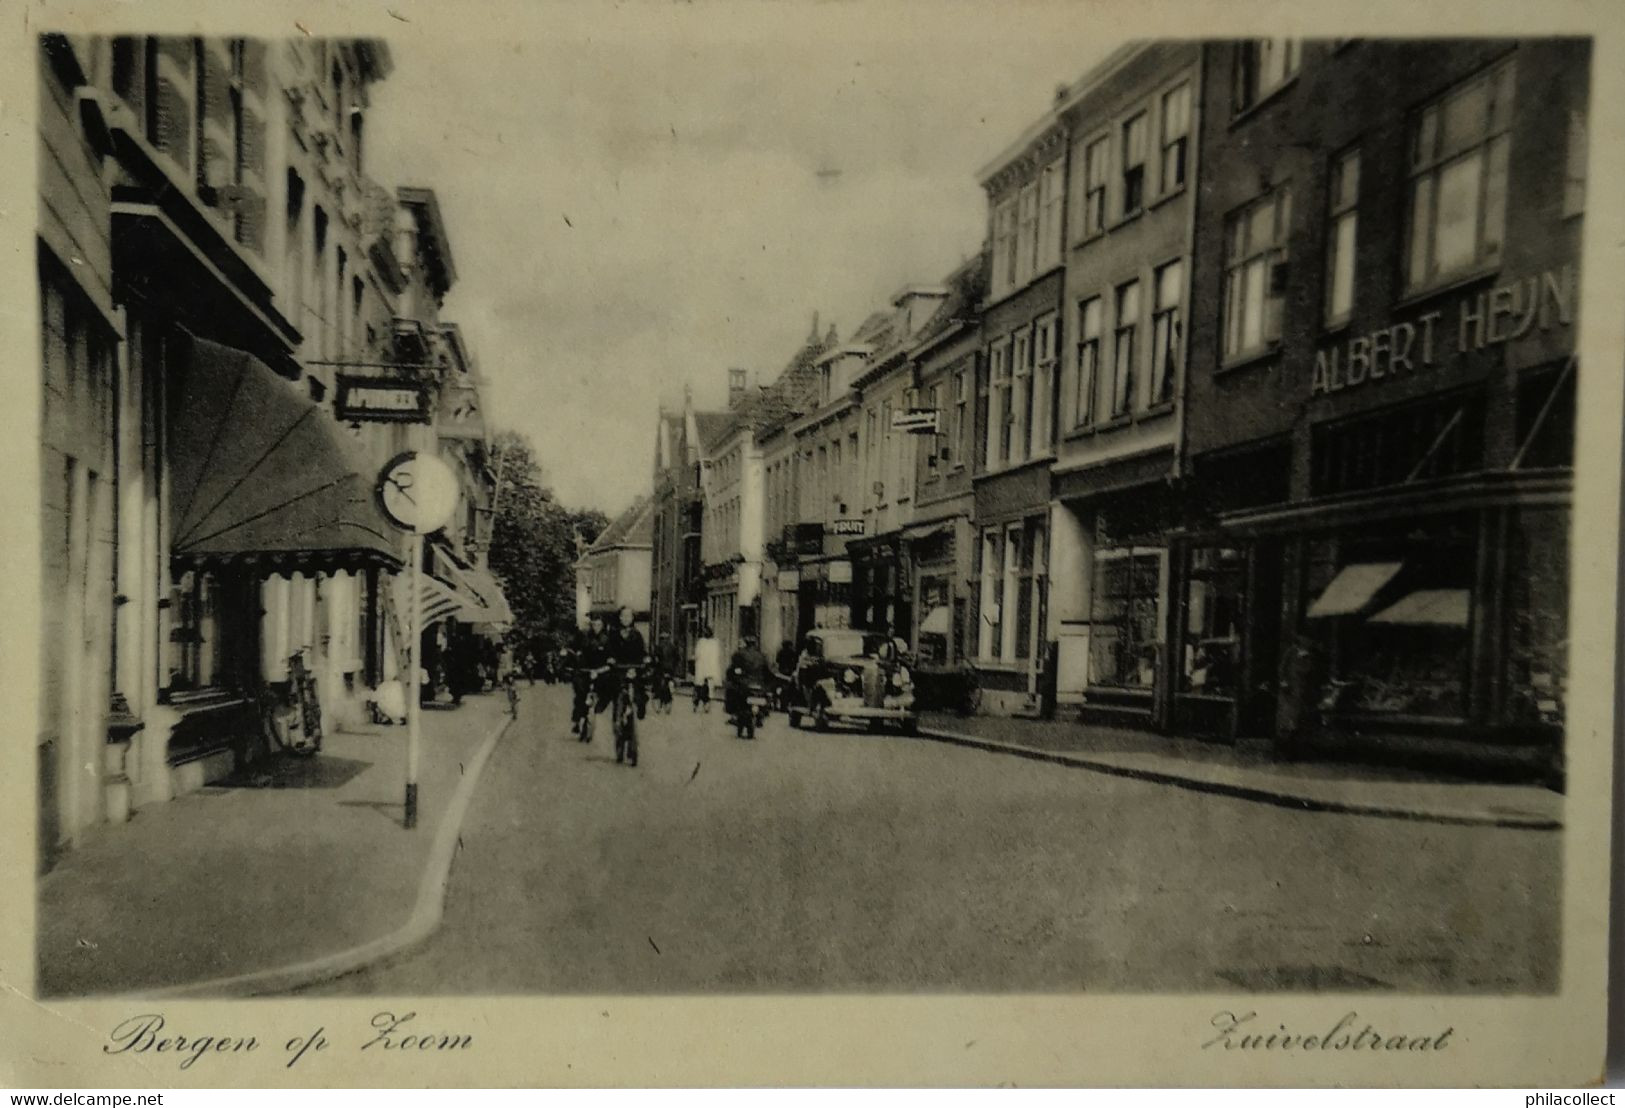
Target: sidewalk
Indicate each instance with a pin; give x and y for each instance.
(238, 878)
(1249, 773)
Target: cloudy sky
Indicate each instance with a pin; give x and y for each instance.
(640, 197)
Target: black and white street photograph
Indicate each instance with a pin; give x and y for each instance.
(668, 507)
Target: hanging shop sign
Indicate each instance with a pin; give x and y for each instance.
(382, 400)
(1481, 320)
(916, 421)
(846, 527)
(789, 580)
(840, 573)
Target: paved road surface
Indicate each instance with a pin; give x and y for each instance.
(856, 862)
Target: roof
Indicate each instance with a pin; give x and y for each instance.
(966, 287)
(633, 527)
(1069, 96)
(713, 427)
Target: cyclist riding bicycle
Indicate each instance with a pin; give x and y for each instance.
(591, 652)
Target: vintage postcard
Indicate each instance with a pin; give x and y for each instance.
(810, 544)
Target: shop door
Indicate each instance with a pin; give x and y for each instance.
(1263, 640)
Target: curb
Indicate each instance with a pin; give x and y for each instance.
(1291, 801)
(425, 919)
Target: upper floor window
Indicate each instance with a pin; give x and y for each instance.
(1095, 159)
(1264, 65)
(1255, 273)
(1134, 164)
(1342, 195)
(1123, 346)
(1044, 341)
(1004, 247)
(1166, 326)
(1089, 324)
(1458, 178)
(1026, 234)
(961, 403)
(1019, 414)
(1176, 125)
(1050, 198)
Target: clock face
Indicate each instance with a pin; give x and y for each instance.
(418, 492)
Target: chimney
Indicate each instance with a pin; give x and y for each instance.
(736, 388)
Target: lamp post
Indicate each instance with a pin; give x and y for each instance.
(419, 494)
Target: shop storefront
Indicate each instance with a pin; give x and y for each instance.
(882, 595)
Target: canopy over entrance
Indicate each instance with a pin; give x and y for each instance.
(262, 475)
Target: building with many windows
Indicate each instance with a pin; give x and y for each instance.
(1379, 419)
(943, 358)
(1118, 406)
(1022, 321)
(212, 255)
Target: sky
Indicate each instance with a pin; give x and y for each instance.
(639, 198)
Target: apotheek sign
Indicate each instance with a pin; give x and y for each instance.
(1481, 320)
(382, 400)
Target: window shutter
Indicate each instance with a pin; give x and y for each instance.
(174, 108)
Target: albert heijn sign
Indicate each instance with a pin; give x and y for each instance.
(1476, 322)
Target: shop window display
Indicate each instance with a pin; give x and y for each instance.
(1125, 617)
(1391, 617)
(935, 625)
(1537, 623)
(1215, 603)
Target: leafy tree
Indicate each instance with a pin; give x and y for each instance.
(534, 546)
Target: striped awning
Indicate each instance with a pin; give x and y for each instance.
(438, 600)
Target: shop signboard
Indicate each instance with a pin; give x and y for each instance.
(382, 400)
(840, 573)
(789, 580)
(1479, 320)
(915, 421)
(846, 527)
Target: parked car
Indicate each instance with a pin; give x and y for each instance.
(853, 676)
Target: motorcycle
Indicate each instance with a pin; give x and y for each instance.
(750, 704)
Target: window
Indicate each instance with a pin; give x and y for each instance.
(1574, 179)
(1255, 274)
(239, 149)
(998, 434)
(1176, 125)
(200, 112)
(199, 661)
(1165, 333)
(1089, 324)
(961, 396)
(1011, 604)
(1128, 319)
(1004, 247)
(1264, 65)
(1126, 618)
(989, 638)
(1458, 172)
(1095, 159)
(1050, 197)
(1134, 164)
(1019, 420)
(1027, 234)
(1044, 347)
(1343, 221)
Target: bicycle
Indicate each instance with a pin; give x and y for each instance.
(625, 718)
(590, 709)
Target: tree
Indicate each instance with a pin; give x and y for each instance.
(533, 547)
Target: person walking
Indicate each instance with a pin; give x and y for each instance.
(707, 667)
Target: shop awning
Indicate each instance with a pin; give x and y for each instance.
(494, 605)
(1428, 608)
(260, 473)
(1353, 588)
(442, 601)
(936, 621)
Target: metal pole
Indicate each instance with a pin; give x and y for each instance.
(414, 607)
